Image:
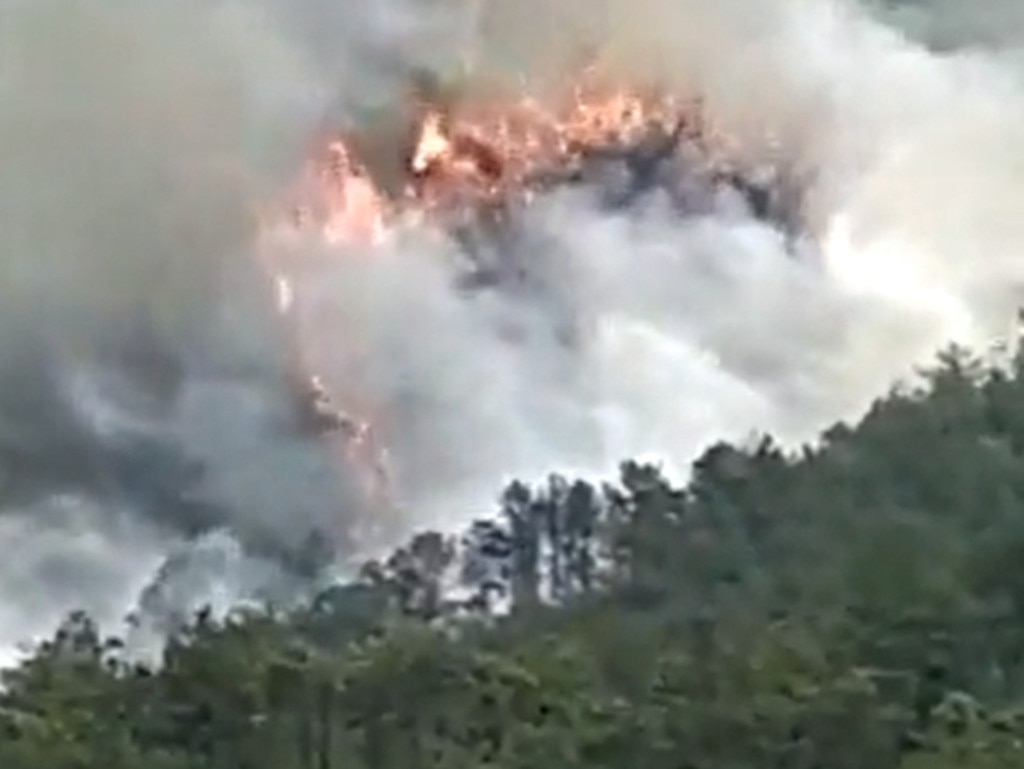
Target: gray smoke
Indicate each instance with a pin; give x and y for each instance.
(947, 24)
(147, 457)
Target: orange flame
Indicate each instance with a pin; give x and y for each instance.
(472, 156)
(433, 145)
(483, 153)
(355, 209)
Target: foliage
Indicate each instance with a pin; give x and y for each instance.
(857, 604)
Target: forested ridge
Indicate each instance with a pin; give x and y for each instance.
(859, 603)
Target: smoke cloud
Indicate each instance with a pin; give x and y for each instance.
(137, 142)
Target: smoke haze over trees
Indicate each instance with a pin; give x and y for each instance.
(852, 604)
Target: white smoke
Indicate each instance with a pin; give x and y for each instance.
(136, 140)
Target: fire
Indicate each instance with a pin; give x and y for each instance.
(433, 146)
(467, 158)
(497, 153)
(354, 208)
(480, 154)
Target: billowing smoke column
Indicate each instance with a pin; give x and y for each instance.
(149, 448)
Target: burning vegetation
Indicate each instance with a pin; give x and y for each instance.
(466, 159)
(467, 166)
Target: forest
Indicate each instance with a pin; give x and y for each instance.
(852, 604)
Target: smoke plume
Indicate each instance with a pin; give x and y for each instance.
(145, 451)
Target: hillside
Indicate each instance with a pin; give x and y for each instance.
(855, 605)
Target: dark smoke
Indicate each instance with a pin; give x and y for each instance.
(148, 449)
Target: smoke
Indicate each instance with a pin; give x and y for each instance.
(946, 24)
(141, 379)
(137, 141)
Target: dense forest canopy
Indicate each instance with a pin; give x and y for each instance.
(855, 604)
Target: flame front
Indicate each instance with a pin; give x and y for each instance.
(484, 153)
(469, 158)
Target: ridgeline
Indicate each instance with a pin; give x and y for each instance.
(857, 604)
